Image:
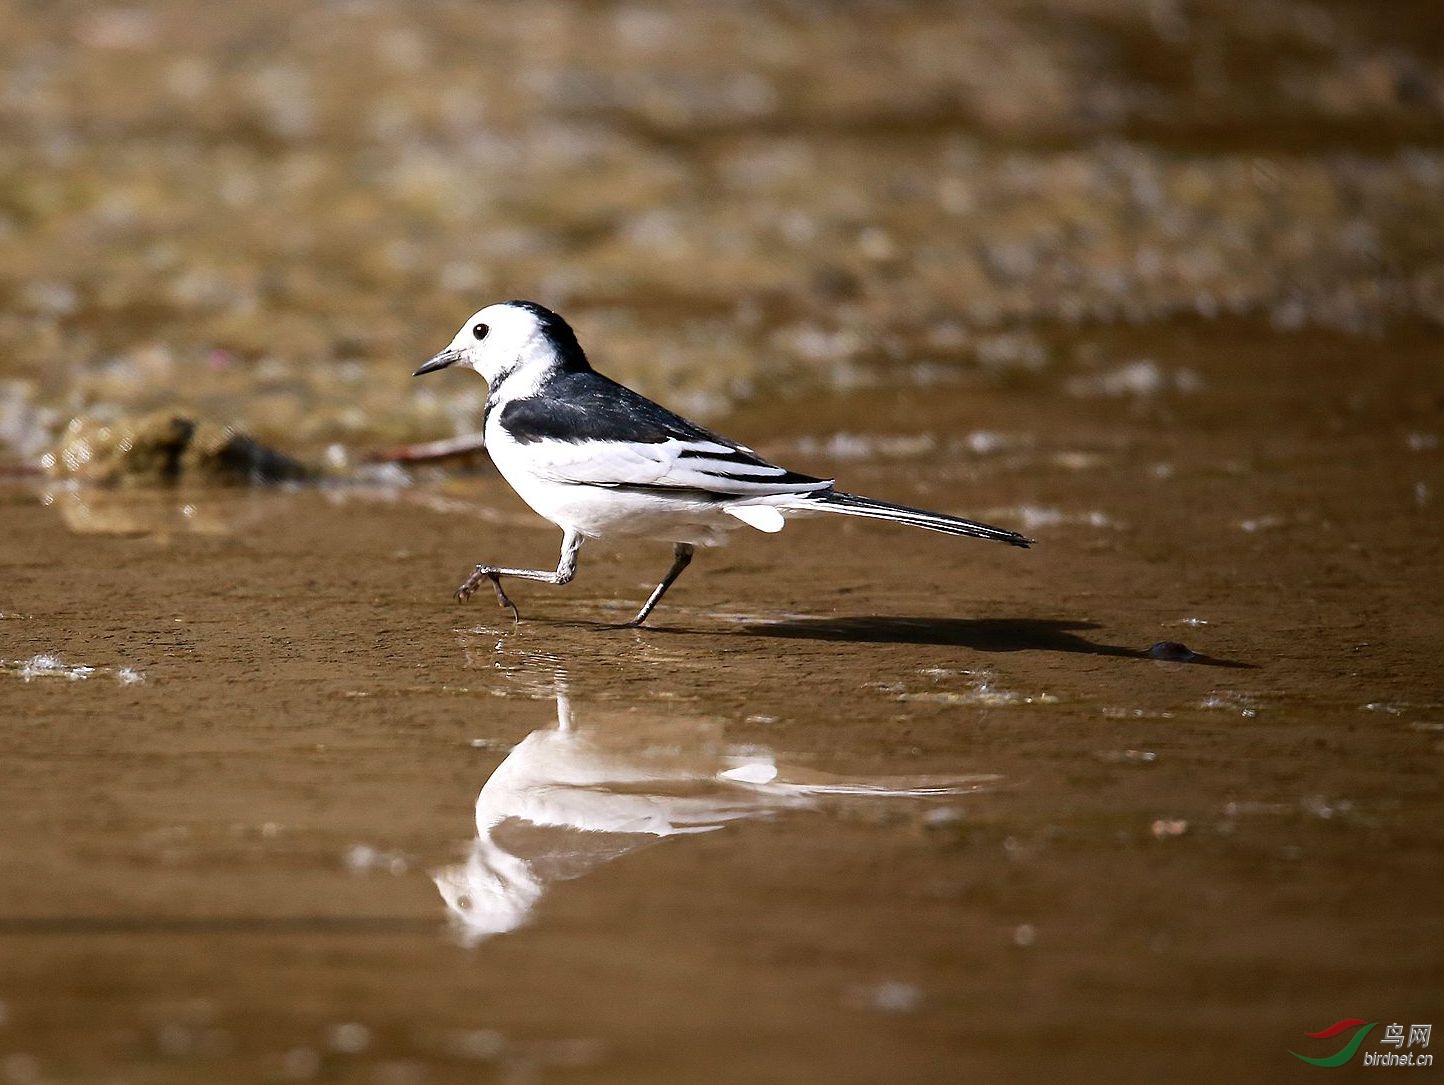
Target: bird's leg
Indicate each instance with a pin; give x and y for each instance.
(566, 569)
(682, 557)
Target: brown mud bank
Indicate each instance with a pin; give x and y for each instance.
(863, 804)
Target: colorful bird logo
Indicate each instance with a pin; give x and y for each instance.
(1345, 1053)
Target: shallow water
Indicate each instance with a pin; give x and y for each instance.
(1158, 284)
(240, 840)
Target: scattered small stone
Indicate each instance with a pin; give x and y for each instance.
(1260, 523)
(1128, 757)
(1139, 378)
(890, 996)
(489, 744)
(1231, 701)
(349, 1038)
(896, 997)
(482, 1044)
(1116, 713)
(1321, 807)
(943, 816)
(364, 859)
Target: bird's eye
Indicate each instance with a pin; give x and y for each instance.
(480, 331)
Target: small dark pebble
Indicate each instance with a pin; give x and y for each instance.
(238, 458)
(1172, 652)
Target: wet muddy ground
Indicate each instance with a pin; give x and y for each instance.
(245, 845)
(1160, 285)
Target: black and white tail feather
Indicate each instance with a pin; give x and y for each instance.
(847, 504)
(598, 459)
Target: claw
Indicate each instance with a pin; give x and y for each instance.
(494, 574)
(468, 589)
(471, 583)
(502, 599)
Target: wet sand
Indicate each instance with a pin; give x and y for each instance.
(223, 840)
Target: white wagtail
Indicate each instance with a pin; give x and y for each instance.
(597, 459)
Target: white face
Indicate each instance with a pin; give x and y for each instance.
(492, 341)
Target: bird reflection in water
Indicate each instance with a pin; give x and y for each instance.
(572, 797)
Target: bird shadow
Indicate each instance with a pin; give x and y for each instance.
(978, 634)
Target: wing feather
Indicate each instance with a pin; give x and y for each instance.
(667, 466)
(588, 430)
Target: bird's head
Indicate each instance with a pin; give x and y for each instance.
(508, 337)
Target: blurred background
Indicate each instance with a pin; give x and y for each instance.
(1159, 282)
(265, 214)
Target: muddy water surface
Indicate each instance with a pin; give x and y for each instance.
(862, 805)
(1158, 284)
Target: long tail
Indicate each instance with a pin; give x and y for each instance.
(852, 505)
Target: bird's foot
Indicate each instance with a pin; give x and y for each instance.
(479, 575)
(471, 583)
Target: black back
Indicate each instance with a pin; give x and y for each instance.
(583, 405)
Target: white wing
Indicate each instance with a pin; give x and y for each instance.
(706, 466)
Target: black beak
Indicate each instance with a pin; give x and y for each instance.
(441, 361)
